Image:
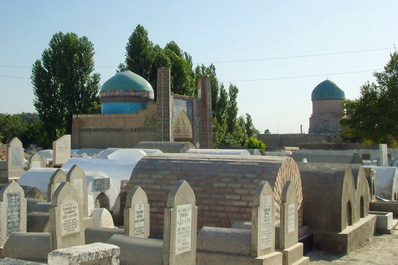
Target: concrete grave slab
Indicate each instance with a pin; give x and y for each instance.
(12, 211)
(96, 253)
(66, 218)
(58, 177)
(77, 178)
(62, 150)
(137, 213)
(35, 161)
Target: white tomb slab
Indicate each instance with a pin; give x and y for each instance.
(38, 178)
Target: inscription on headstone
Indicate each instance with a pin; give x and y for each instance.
(13, 213)
(291, 217)
(69, 218)
(139, 219)
(16, 156)
(183, 228)
(266, 231)
(101, 184)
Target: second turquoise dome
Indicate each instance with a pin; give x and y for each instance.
(327, 90)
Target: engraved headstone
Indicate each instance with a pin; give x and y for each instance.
(15, 159)
(62, 150)
(77, 178)
(56, 179)
(136, 214)
(263, 224)
(35, 161)
(66, 218)
(12, 211)
(180, 224)
(288, 231)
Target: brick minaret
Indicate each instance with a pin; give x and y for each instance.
(163, 96)
(206, 117)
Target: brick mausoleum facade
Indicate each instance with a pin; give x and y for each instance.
(131, 116)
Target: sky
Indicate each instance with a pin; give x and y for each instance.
(276, 52)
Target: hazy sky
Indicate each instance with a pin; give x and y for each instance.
(351, 39)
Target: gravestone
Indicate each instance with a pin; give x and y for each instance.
(12, 211)
(77, 178)
(263, 223)
(15, 159)
(383, 158)
(56, 179)
(66, 218)
(288, 231)
(94, 254)
(62, 150)
(137, 214)
(35, 161)
(291, 249)
(102, 218)
(180, 224)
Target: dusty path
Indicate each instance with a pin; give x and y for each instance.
(383, 250)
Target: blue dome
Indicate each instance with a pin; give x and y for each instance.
(125, 92)
(327, 90)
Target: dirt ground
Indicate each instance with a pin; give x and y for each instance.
(382, 250)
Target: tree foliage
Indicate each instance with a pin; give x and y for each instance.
(373, 117)
(63, 82)
(144, 58)
(26, 126)
(254, 143)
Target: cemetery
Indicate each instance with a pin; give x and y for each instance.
(168, 197)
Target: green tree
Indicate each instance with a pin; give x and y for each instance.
(373, 117)
(63, 83)
(144, 58)
(249, 127)
(232, 108)
(254, 143)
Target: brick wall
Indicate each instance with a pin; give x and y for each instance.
(114, 130)
(224, 186)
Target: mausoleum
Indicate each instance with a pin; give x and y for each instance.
(326, 108)
(130, 115)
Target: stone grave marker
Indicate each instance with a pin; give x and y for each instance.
(93, 254)
(62, 150)
(66, 218)
(12, 211)
(77, 178)
(35, 161)
(15, 159)
(136, 213)
(263, 221)
(383, 159)
(56, 179)
(180, 224)
(288, 231)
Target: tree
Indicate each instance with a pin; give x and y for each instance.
(373, 117)
(144, 58)
(249, 127)
(232, 108)
(254, 143)
(63, 84)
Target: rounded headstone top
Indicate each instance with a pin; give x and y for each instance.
(327, 90)
(126, 87)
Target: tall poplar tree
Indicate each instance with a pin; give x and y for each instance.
(63, 83)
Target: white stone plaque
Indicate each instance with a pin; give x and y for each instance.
(69, 218)
(183, 228)
(139, 219)
(78, 185)
(265, 236)
(291, 219)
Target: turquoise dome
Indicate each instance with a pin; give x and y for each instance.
(327, 90)
(127, 80)
(126, 92)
